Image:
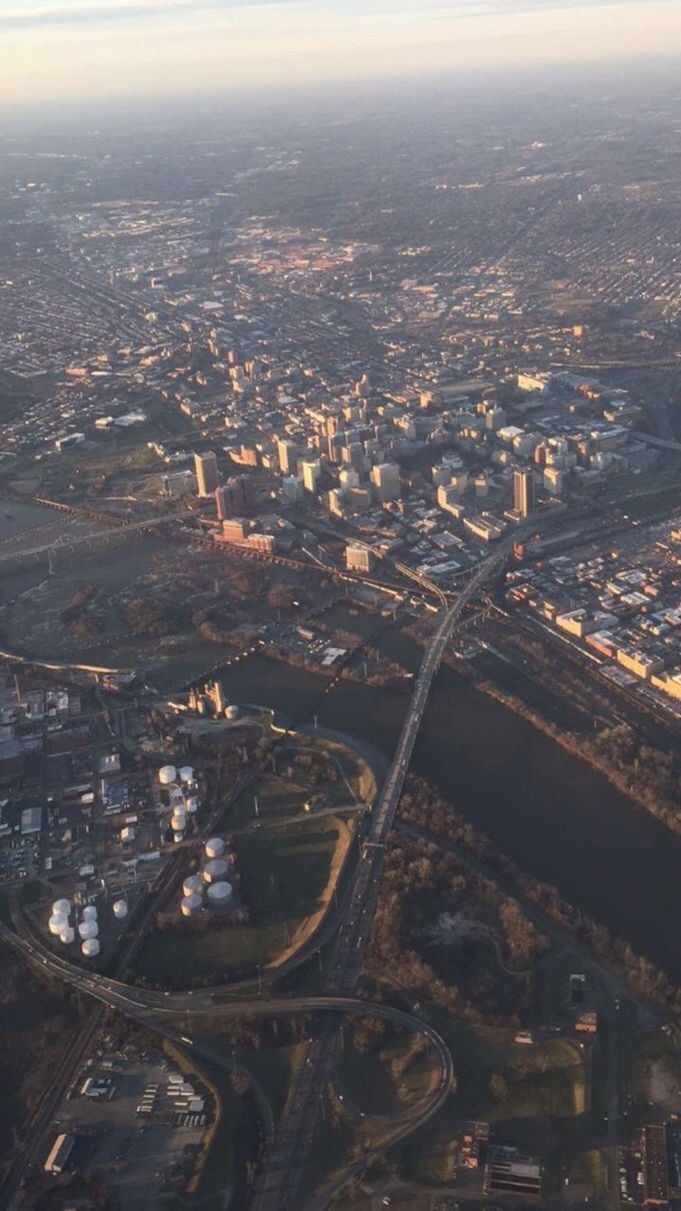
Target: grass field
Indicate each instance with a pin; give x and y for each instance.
(370, 1083)
(285, 791)
(284, 878)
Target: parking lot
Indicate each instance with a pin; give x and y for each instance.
(140, 1156)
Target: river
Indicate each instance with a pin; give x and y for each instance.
(560, 820)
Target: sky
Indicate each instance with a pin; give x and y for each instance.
(61, 50)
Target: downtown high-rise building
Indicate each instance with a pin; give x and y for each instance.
(206, 468)
(523, 491)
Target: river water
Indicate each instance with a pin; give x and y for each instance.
(561, 821)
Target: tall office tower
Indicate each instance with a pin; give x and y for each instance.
(206, 468)
(287, 453)
(291, 490)
(231, 498)
(523, 491)
(335, 446)
(386, 480)
(311, 473)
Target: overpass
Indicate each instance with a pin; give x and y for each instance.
(151, 1011)
(282, 1173)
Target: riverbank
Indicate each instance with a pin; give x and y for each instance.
(587, 750)
(557, 817)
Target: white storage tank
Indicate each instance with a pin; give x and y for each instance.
(56, 923)
(231, 712)
(191, 905)
(178, 822)
(215, 847)
(61, 908)
(67, 935)
(220, 895)
(186, 774)
(120, 909)
(88, 929)
(192, 804)
(90, 948)
(215, 870)
(167, 775)
(89, 913)
(192, 886)
(178, 836)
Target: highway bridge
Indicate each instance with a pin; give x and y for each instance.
(115, 531)
(283, 1169)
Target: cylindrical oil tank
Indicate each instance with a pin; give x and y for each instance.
(220, 895)
(89, 913)
(120, 909)
(215, 870)
(192, 803)
(186, 774)
(88, 929)
(215, 847)
(167, 775)
(178, 822)
(193, 885)
(62, 907)
(67, 935)
(191, 905)
(56, 923)
(90, 948)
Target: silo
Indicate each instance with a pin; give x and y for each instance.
(192, 886)
(167, 774)
(90, 948)
(215, 847)
(56, 923)
(215, 870)
(120, 910)
(220, 896)
(67, 935)
(89, 913)
(61, 907)
(88, 929)
(191, 905)
(186, 774)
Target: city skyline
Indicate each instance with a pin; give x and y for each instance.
(55, 51)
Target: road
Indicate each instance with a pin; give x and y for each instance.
(144, 1007)
(283, 1169)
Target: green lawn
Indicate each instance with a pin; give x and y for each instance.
(283, 876)
(369, 1080)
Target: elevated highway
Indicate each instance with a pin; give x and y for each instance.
(282, 1173)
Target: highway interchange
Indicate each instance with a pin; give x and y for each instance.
(279, 1186)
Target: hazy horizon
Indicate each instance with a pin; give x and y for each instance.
(59, 51)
